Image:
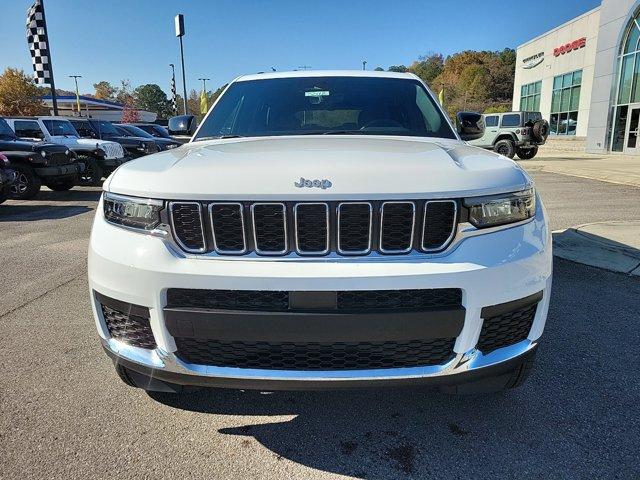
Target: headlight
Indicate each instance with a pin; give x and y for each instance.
(138, 213)
(170, 146)
(43, 153)
(501, 209)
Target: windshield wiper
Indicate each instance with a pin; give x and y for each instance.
(218, 137)
(343, 132)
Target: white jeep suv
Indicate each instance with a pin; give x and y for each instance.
(322, 230)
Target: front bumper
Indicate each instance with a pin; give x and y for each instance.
(490, 269)
(60, 171)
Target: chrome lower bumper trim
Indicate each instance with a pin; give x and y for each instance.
(160, 360)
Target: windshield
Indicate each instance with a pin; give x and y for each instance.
(5, 129)
(60, 127)
(135, 131)
(326, 105)
(103, 127)
(158, 131)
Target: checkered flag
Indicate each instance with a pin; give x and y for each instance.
(38, 43)
(174, 102)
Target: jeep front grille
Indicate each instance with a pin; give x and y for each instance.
(314, 228)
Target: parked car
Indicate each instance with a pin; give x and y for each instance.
(7, 177)
(155, 130)
(132, 131)
(37, 163)
(99, 157)
(101, 129)
(322, 230)
(514, 133)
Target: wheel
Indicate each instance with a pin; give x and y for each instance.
(139, 380)
(4, 195)
(92, 174)
(540, 131)
(27, 183)
(62, 185)
(505, 147)
(527, 153)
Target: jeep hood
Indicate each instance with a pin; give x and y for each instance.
(358, 167)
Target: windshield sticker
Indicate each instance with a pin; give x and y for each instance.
(317, 93)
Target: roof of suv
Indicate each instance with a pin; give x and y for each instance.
(324, 73)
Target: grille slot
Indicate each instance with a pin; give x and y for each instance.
(132, 329)
(316, 356)
(355, 221)
(506, 329)
(265, 300)
(186, 220)
(312, 228)
(227, 225)
(397, 221)
(400, 299)
(270, 228)
(439, 224)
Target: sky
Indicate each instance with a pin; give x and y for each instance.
(134, 39)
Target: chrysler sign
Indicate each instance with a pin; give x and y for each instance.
(569, 47)
(533, 60)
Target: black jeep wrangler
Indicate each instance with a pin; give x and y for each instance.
(7, 176)
(103, 130)
(37, 163)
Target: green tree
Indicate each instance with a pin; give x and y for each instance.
(104, 90)
(150, 97)
(398, 68)
(19, 95)
(379, 69)
(428, 67)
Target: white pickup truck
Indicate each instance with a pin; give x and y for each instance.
(100, 157)
(322, 230)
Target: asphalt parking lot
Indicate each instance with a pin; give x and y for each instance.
(65, 414)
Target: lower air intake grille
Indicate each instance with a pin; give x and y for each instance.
(506, 328)
(400, 299)
(134, 330)
(316, 356)
(270, 301)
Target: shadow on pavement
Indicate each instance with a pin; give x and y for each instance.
(74, 195)
(32, 213)
(571, 419)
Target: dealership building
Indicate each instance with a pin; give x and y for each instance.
(584, 76)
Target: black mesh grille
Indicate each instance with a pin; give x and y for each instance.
(228, 227)
(397, 227)
(506, 329)
(400, 299)
(311, 227)
(132, 329)
(278, 301)
(187, 225)
(439, 222)
(273, 301)
(354, 227)
(269, 224)
(57, 159)
(316, 356)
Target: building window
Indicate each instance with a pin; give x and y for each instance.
(564, 103)
(628, 84)
(530, 97)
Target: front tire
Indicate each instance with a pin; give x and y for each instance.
(26, 185)
(92, 174)
(62, 185)
(527, 153)
(505, 147)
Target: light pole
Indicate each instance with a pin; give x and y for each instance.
(75, 79)
(364, 64)
(179, 23)
(204, 84)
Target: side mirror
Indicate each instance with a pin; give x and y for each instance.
(182, 125)
(470, 125)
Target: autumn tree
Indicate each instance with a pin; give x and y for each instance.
(104, 91)
(130, 114)
(19, 95)
(428, 68)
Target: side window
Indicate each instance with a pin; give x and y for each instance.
(491, 121)
(83, 129)
(511, 120)
(28, 129)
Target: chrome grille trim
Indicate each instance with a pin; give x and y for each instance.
(284, 222)
(295, 227)
(454, 224)
(175, 235)
(413, 225)
(354, 252)
(213, 230)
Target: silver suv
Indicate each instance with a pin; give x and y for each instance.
(514, 133)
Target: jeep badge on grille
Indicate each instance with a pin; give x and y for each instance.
(323, 184)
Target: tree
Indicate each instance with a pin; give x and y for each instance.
(104, 90)
(124, 94)
(130, 114)
(398, 68)
(428, 67)
(378, 69)
(19, 95)
(150, 97)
